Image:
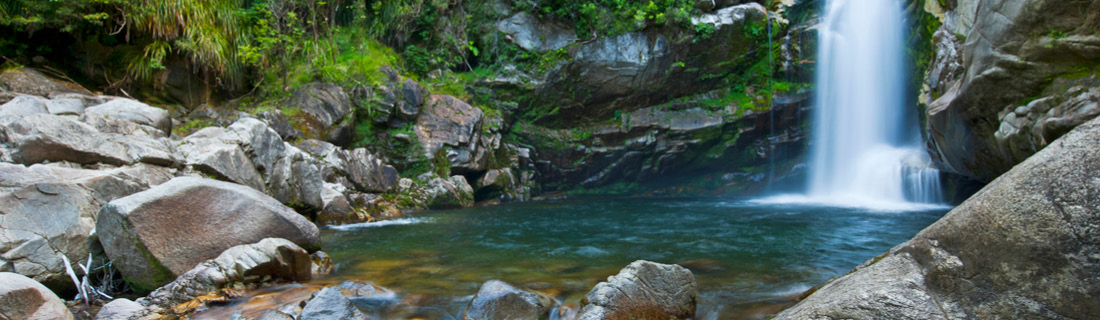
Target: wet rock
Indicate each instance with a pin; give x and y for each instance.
(45, 137)
(322, 264)
(329, 303)
(23, 298)
(133, 111)
(270, 258)
(50, 211)
(499, 300)
(1021, 248)
(136, 230)
(368, 296)
(336, 209)
(643, 290)
(533, 34)
(32, 82)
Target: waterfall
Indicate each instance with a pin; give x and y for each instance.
(866, 151)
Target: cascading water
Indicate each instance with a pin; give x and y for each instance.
(865, 150)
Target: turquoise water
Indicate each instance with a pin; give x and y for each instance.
(746, 256)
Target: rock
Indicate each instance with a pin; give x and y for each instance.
(32, 82)
(368, 296)
(1017, 53)
(123, 309)
(322, 111)
(262, 143)
(366, 172)
(23, 298)
(295, 180)
(1023, 247)
(133, 111)
(499, 300)
(270, 258)
(369, 173)
(215, 152)
(453, 126)
(322, 265)
(329, 303)
(643, 290)
(533, 34)
(23, 106)
(275, 315)
(645, 68)
(45, 137)
(413, 95)
(65, 106)
(48, 211)
(136, 230)
(336, 209)
(449, 193)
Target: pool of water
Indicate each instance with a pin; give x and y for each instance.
(745, 255)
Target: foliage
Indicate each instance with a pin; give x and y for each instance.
(594, 18)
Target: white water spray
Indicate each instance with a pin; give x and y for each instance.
(865, 151)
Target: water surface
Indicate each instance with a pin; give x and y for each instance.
(744, 254)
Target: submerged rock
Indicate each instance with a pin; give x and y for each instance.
(1023, 247)
(156, 235)
(643, 290)
(24, 298)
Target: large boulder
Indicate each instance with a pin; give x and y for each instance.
(23, 298)
(453, 127)
(45, 137)
(1029, 75)
(157, 235)
(1024, 247)
(499, 300)
(270, 258)
(643, 290)
(48, 212)
(133, 111)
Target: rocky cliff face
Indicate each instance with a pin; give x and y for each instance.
(1008, 78)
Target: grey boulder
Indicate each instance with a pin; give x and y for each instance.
(133, 111)
(499, 300)
(643, 290)
(157, 235)
(44, 137)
